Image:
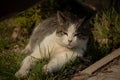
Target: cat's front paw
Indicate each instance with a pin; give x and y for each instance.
(49, 68)
(20, 74)
(45, 69)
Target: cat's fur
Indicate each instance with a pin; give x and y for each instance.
(61, 38)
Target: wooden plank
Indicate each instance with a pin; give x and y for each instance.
(91, 69)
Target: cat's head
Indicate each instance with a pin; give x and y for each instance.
(70, 33)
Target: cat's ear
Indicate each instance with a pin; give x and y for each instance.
(61, 18)
(80, 22)
(84, 23)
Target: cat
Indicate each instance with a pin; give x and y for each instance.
(61, 38)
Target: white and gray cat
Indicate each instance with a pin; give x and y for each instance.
(60, 38)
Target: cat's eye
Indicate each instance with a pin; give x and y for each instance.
(65, 33)
(77, 34)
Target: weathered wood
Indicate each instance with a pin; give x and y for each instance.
(91, 69)
(86, 73)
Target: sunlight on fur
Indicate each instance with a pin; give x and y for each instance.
(59, 38)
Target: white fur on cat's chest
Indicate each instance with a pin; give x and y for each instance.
(50, 41)
(50, 46)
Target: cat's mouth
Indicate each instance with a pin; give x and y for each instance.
(70, 46)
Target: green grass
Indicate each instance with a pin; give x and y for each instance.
(106, 38)
(106, 34)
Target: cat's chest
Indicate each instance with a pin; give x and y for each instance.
(50, 45)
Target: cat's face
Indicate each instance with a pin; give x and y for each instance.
(70, 33)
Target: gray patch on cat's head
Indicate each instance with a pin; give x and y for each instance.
(63, 22)
(84, 30)
(66, 20)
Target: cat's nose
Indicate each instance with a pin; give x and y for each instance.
(69, 41)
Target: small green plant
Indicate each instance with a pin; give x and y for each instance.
(106, 33)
